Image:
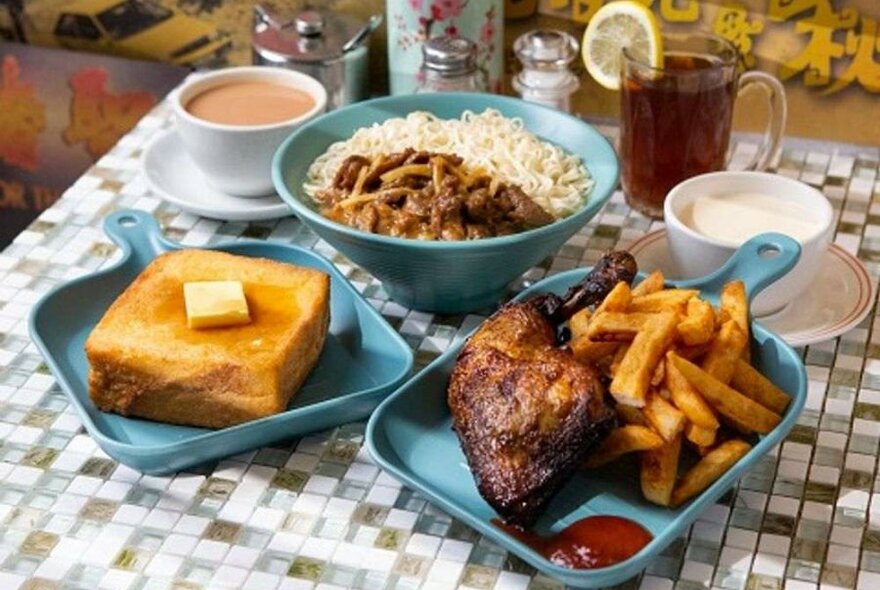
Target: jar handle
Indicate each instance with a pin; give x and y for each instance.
(363, 33)
(772, 141)
(267, 13)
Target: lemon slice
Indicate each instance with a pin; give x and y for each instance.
(625, 24)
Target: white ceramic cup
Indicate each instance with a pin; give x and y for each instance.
(237, 159)
(695, 255)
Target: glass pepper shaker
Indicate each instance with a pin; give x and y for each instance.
(546, 77)
(449, 64)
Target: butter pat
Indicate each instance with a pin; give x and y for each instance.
(214, 304)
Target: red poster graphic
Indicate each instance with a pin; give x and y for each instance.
(22, 118)
(98, 118)
(59, 112)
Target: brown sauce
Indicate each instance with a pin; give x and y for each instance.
(589, 543)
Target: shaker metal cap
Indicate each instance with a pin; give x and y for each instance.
(450, 55)
(543, 48)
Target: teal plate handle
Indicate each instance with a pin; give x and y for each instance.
(758, 263)
(137, 233)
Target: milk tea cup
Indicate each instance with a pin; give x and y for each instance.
(237, 158)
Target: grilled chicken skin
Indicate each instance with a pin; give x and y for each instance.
(524, 410)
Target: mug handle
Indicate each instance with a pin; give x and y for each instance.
(772, 140)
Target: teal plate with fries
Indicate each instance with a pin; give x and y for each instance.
(363, 359)
(410, 435)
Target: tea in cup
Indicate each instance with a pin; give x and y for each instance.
(231, 121)
(676, 119)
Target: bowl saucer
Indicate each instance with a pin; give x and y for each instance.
(838, 299)
(173, 176)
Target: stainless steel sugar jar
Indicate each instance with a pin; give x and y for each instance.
(328, 46)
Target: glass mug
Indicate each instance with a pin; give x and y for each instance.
(675, 120)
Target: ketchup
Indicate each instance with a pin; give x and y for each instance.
(589, 543)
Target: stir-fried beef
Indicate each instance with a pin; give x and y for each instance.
(429, 196)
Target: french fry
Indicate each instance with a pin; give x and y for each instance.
(652, 283)
(587, 351)
(604, 367)
(618, 299)
(686, 399)
(744, 413)
(663, 416)
(616, 326)
(626, 439)
(633, 376)
(702, 437)
(751, 383)
(692, 353)
(578, 324)
(712, 466)
(735, 304)
(666, 300)
(619, 355)
(721, 316)
(659, 374)
(725, 350)
(699, 324)
(630, 415)
(659, 468)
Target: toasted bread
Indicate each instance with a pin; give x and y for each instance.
(146, 362)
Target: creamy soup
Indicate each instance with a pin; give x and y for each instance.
(735, 218)
(250, 103)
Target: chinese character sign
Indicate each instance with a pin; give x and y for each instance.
(825, 45)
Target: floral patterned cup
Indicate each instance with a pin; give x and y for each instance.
(411, 22)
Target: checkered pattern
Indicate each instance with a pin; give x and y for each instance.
(317, 513)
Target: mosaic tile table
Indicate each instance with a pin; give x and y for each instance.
(316, 512)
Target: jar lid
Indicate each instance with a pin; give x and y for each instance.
(312, 36)
(450, 56)
(546, 48)
(309, 23)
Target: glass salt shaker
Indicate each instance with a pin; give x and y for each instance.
(449, 65)
(545, 77)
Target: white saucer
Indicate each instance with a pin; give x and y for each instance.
(839, 298)
(172, 175)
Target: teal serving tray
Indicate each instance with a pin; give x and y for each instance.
(363, 359)
(410, 436)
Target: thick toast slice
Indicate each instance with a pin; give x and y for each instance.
(146, 362)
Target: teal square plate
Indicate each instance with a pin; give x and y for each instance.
(363, 359)
(410, 435)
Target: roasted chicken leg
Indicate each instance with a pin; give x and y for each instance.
(524, 410)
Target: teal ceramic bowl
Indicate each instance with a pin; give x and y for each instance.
(444, 277)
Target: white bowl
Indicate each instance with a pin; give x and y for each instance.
(237, 159)
(694, 254)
